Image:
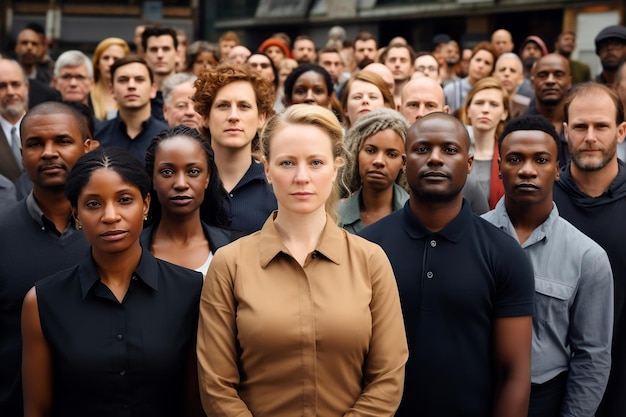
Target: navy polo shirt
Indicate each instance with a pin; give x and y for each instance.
(251, 202)
(113, 133)
(127, 358)
(453, 285)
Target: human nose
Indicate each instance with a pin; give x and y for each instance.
(49, 150)
(110, 213)
(527, 170)
(180, 181)
(379, 159)
(309, 96)
(234, 115)
(302, 173)
(434, 158)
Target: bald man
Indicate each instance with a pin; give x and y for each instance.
(502, 41)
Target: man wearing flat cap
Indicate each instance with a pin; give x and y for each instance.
(611, 49)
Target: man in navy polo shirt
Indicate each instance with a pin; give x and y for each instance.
(466, 287)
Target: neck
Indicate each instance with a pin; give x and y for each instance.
(435, 215)
(232, 164)
(552, 112)
(399, 85)
(595, 183)
(54, 206)
(12, 119)
(160, 79)
(376, 200)
(300, 230)
(484, 142)
(526, 218)
(609, 76)
(116, 269)
(179, 228)
(134, 118)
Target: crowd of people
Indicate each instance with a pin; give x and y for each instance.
(347, 229)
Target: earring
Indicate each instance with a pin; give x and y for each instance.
(79, 226)
(145, 218)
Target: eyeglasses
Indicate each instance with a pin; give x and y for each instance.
(423, 68)
(77, 77)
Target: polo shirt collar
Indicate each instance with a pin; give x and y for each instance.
(146, 271)
(454, 231)
(330, 245)
(255, 172)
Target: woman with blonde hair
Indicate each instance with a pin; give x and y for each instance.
(376, 142)
(486, 110)
(301, 318)
(364, 92)
(107, 52)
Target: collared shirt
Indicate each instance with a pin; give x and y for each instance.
(453, 286)
(350, 208)
(279, 339)
(455, 93)
(127, 358)
(573, 321)
(7, 127)
(45, 223)
(250, 202)
(113, 133)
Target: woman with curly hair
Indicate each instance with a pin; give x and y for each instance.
(107, 52)
(234, 102)
(376, 142)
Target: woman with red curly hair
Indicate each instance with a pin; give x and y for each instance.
(234, 103)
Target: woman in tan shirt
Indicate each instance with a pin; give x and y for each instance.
(301, 318)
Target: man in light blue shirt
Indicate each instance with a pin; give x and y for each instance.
(573, 320)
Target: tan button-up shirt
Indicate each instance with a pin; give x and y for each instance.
(279, 339)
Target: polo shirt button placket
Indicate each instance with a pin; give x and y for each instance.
(433, 243)
(430, 275)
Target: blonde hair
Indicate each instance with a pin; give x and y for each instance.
(485, 84)
(99, 89)
(305, 114)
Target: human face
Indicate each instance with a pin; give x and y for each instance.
(398, 60)
(181, 175)
(13, 91)
(364, 50)
(275, 53)
(51, 145)
(428, 66)
(234, 117)
(331, 62)
(510, 73)
(263, 65)
(421, 97)
(161, 55)
(180, 108)
(612, 53)
(238, 55)
(132, 88)
(530, 54)
(111, 213)
(592, 133)
(551, 79)
(28, 48)
(437, 161)
(226, 46)
(565, 44)
(380, 159)
(452, 54)
(108, 57)
(486, 110)
(204, 61)
(363, 98)
(480, 65)
(301, 169)
(528, 167)
(283, 73)
(310, 88)
(502, 41)
(74, 83)
(304, 51)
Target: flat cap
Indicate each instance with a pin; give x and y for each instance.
(610, 32)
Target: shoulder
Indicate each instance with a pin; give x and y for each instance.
(59, 279)
(385, 228)
(580, 244)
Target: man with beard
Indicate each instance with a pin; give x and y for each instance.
(591, 194)
(452, 56)
(466, 288)
(28, 49)
(39, 234)
(13, 106)
(304, 50)
(611, 49)
(551, 81)
(573, 320)
(365, 49)
(530, 51)
(565, 45)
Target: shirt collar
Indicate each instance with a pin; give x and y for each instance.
(254, 173)
(39, 216)
(351, 208)
(454, 231)
(146, 272)
(542, 232)
(329, 246)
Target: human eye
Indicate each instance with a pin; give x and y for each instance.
(180, 106)
(299, 91)
(542, 160)
(222, 105)
(357, 97)
(194, 172)
(65, 141)
(393, 154)
(320, 91)
(166, 172)
(420, 149)
(369, 150)
(432, 105)
(286, 163)
(126, 199)
(122, 80)
(450, 150)
(245, 106)
(513, 159)
(317, 162)
(92, 204)
(33, 143)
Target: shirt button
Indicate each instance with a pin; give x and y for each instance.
(433, 243)
(429, 275)
(120, 337)
(134, 277)
(123, 372)
(231, 195)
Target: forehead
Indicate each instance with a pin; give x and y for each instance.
(509, 63)
(398, 52)
(424, 90)
(239, 89)
(592, 104)
(258, 58)
(529, 141)
(11, 71)
(303, 43)
(114, 50)
(426, 60)
(310, 77)
(185, 89)
(160, 40)
(28, 35)
(438, 128)
(552, 63)
(133, 69)
(482, 54)
(501, 36)
(330, 56)
(51, 124)
(370, 43)
(74, 69)
(363, 86)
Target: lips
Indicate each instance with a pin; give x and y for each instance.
(114, 235)
(376, 174)
(527, 186)
(51, 167)
(434, 174)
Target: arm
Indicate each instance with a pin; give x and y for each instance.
(193, 406)
(590, 336)
(512, 346)
(383, 371)
(218, 359)
(36, 361)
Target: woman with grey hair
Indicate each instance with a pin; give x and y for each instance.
(377, 143)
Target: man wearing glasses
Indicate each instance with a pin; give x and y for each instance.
(73, 76)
